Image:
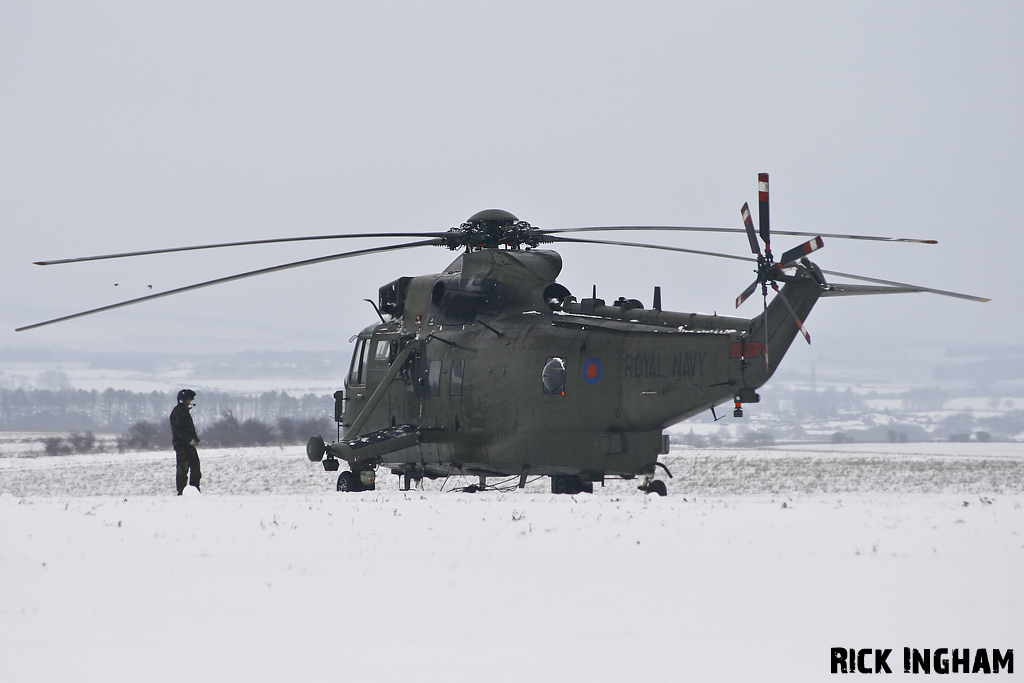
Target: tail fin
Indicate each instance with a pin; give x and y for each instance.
(778, 326)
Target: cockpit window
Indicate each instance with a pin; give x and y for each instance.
(383, 351)
(553, 376)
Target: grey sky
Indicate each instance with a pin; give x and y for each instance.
(142, 125)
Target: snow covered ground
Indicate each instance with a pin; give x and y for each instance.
(753, 568)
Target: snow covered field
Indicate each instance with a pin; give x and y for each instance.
(753, 568)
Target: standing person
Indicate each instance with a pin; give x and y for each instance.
(185, 439)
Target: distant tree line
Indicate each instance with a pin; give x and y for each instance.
(113, 410)
(226, 432)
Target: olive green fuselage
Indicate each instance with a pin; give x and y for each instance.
(501, 370)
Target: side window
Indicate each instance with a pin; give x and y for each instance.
(353, 371)
(458, 370)
(364, 358)
(357, 373)
(434, 378)
(553, 376)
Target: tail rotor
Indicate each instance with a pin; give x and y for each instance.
(769, 272)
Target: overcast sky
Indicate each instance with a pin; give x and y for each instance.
(131, 125)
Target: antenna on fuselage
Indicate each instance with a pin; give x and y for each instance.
(379, 314)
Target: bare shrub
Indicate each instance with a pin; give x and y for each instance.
(82, 443)
(55, 445)
(145, 436)
(225, 432)
(256, 433)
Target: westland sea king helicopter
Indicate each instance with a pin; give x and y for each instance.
(491, 368)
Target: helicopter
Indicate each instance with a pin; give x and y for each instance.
(493, 369)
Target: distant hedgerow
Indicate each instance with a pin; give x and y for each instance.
(227, 432)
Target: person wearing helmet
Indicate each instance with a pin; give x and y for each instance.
(185, 439)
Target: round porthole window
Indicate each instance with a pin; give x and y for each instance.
(553, 376)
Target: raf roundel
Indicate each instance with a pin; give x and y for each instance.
(592, 370)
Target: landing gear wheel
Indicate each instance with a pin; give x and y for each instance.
(349, 481)
(657, 486)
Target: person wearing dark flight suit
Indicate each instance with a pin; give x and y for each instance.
(184, 440)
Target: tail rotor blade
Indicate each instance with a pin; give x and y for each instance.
(748, 224)
(764, 293)
(797, 253)
(762, 205)
(799, 323)
(746, 293)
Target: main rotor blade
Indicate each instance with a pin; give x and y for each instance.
(847, 289)
(943, 292)
(279, 240)
(232, 278)
(576, 240)
(550, 231)
(686, 228)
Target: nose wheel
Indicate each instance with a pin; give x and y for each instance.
(347, 481)
(356, 481)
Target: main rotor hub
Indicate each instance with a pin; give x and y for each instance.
(493, 216)
(491, 229)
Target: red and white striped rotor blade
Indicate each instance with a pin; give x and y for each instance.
(762, 205)
(746, 293)
(797, 253)
(748, 224)
(799, 323)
